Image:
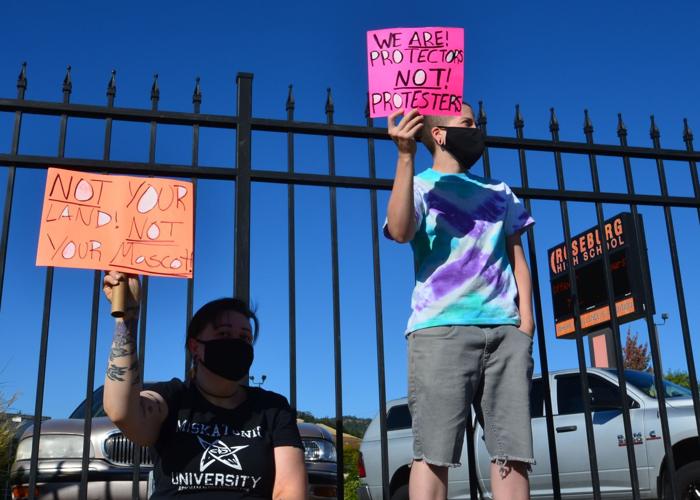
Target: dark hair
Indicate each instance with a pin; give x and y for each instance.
(210, 311)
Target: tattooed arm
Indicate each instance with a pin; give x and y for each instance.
(139, 414)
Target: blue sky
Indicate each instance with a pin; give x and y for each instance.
(636, 58)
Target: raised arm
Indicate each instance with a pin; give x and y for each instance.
(401, 217)
(138, 414)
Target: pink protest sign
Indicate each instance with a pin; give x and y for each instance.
(415, 68)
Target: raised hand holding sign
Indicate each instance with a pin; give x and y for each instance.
(137, 225)
(124, 292)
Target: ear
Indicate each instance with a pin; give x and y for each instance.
(192, 347)
(438, 136)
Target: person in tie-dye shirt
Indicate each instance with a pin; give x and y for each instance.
(471, 326)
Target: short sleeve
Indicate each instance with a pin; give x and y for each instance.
(285, 431)
(517, 217)
(418, 207)
(169, 391)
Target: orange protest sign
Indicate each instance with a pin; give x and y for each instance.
(139, 225)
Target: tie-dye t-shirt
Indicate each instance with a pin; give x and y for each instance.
(463, 274)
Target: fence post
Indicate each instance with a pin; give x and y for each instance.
(244, 82)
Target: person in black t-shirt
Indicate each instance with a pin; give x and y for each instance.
(213, 437)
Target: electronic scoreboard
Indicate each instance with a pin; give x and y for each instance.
(586, 255)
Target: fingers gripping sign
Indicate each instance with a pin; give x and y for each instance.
(405, 132)
(124, 292)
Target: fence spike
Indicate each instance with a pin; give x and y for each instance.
(482, 115)
(654, 130)
(197, 94)
(553, 121)
(112, 84)
(518, 123)
(67, 81)
(22, 78)
(289, 105)
(687, 132)
(621, 129)
(587, 124)
(155, 90)
(329, 102)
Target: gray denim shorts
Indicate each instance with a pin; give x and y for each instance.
(451, 367)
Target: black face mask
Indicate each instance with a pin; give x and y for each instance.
(228, 358)
(465, 144)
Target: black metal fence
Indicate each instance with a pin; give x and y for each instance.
(245, 123)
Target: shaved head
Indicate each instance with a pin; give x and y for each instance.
(432, 121)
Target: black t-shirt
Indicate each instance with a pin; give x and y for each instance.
(205, 451)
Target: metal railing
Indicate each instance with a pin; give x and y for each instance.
(245, 123)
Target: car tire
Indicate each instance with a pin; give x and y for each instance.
(401, 493)
(687, 480)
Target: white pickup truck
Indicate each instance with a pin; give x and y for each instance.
(571, 443)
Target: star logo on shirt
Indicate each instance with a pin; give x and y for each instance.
(218, 451)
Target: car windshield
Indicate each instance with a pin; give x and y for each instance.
(97, 407)
(645, 383)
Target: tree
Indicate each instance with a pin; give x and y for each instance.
(351, 475)
(635, 355)
(352, 425)
(7, 431)
(678, 377)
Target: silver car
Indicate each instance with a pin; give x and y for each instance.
(571, 442)
(111, 469)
